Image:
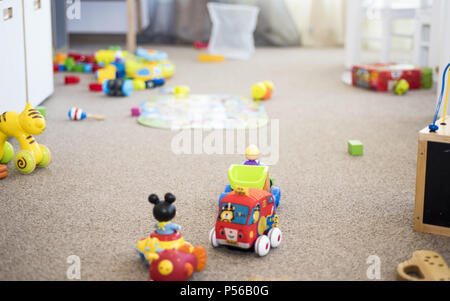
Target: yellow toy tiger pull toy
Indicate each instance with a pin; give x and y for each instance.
(23, 126)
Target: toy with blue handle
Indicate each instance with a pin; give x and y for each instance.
(433, 127)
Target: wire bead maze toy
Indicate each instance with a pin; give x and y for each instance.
(433, 127)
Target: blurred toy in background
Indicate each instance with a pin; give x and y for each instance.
(107, 73)
(170, 257)
(73, 62)
(96, 87)
(22, 126)
(118, 87)
(201, 45)
(210, 58)
(77, 114)
(3, 171)
(147, 69)
(262, 91)
(401, 87)
(382, 77)
(252, 154)
(181, 91)
(136, 111)
(71, 80)
(151, 54)
(139, 84)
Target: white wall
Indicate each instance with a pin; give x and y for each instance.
(109, 17)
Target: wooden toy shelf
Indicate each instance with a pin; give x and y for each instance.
(432, 205)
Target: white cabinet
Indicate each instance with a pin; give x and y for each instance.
(12, 54)
(26, 72)
(38, 49)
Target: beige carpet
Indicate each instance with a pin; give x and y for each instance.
(336, 210)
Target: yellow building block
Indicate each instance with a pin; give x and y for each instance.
(205, 57)
(107, 73)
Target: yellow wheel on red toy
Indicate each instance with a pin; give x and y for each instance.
(25, 162)
(46, 156)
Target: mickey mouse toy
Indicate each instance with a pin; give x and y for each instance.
(164, 212)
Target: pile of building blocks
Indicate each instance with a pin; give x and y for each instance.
(382, 77)
(147, 68)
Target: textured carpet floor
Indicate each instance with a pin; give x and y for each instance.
(336, 210)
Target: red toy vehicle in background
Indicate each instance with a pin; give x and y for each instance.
(247, 215)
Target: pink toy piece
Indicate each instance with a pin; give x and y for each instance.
(135, 112)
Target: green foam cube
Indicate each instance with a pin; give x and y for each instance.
(355, 147)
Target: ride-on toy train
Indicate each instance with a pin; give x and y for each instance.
(247, 214)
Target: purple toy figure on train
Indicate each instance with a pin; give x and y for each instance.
(252, 154)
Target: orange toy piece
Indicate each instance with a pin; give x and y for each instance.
(3, 171)
(60, 58)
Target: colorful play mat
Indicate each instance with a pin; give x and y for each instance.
(220, 111)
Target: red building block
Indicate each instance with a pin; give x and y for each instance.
(95, 87)
(71, 80)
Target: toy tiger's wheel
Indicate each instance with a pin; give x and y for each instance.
(46, 156)
(25, 162)
(8, 153)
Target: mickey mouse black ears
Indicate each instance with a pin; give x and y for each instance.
(170, 198)
(154, 199)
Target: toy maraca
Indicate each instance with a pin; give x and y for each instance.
(262, 90)
(79, 114)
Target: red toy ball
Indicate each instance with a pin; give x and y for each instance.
(71, 80)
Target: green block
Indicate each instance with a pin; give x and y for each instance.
(70, 64)
(355, 147)
(426, 78)
(115, 48)
(42, 110)
(78, 68)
